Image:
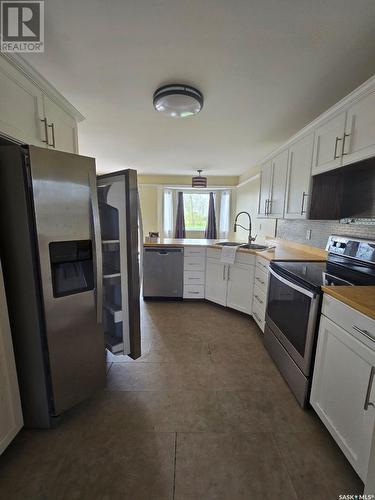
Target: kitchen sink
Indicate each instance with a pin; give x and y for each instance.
(229, 244)
(254, 246)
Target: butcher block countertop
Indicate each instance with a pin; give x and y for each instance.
(282, 249)
(361, 298)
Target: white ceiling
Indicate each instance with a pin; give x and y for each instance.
(265, 67)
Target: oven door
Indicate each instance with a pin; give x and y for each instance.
(291, 315)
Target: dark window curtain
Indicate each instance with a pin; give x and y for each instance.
(210, 232)
(180, 218)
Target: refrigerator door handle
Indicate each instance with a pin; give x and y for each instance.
(98, 246)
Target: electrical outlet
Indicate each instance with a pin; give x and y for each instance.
(308, 234)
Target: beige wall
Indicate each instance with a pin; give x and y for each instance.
(247, 200)
(149, 206)
(185, 180)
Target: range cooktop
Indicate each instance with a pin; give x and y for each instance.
(350, 262)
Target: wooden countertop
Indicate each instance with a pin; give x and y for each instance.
(182, 242)
(361, 298)
(283, 250)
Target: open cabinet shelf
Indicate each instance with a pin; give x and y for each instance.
(118, 211)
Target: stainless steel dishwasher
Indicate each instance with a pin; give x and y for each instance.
(163, 273)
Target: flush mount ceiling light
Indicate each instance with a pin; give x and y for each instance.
(178, 100)
(199, 181)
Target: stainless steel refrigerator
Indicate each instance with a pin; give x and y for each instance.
(122, 246)
(52, 261)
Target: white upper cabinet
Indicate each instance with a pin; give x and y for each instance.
(21, 107)
(35, 113)
(278, 185)
(61, 128)
(11, 419)
(359, 139)
(328, 144)
(265, 189)
(299, 178)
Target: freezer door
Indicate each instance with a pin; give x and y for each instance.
(65, 206)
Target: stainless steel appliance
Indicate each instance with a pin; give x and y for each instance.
(163, 273)
(294, 299)
(51, 254)
(120, 223)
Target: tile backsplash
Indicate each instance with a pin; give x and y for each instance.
(297, 230)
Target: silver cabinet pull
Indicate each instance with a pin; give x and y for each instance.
(52, 127)
(343, 145)
(269, 207)
(364, 333)
(224, 272)
(335, 156)
(258, 299)
(228, 275)
(194, 293)
(369, 387)
(304, 195)
(265, 207)
(257, 317)
(44, 120)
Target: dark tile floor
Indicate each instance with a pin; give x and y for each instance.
(203, 415)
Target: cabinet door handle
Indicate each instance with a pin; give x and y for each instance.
(269, 206)
(257, 317)
(265, 207)
(336, 144)
(44, 120)
(224, 272)
(258, 299)
(369, 387)
(343, 145)
(52, 127)
(304, 195)
(365, 333)
(228, 276)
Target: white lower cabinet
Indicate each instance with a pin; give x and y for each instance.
(216, 282)
(230, 285)
(240, 280)
(11, 419)
(343, 388)
(194, 272)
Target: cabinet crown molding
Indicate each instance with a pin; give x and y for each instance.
(365, 88)
(45, 86)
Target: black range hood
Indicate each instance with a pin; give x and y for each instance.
(346, 192)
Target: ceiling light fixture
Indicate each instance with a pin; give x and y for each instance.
(198, 181)
(178, 100)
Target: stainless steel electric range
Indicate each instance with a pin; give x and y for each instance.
(294, 301)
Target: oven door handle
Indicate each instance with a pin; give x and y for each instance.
(292, 285)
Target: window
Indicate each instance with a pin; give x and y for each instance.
(196, 211)
(224, 214)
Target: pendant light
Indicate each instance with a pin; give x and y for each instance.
(178, 100)
(199, 181)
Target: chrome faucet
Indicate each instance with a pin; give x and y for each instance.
(250, 239)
